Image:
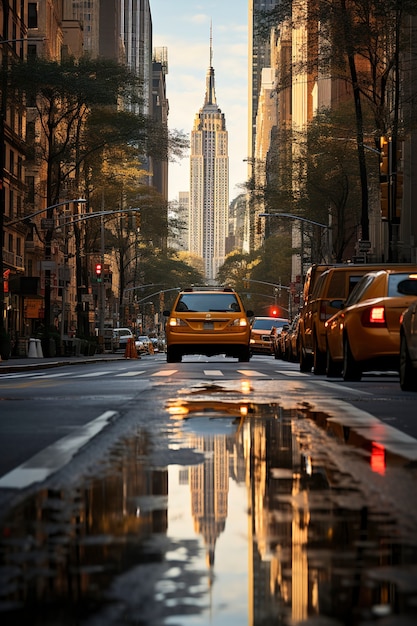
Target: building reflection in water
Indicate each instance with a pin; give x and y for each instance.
(307, 521)
(316, 544)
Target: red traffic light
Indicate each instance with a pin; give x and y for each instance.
(98, 269)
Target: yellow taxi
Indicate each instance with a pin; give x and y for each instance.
(207, 321)
(365, 334)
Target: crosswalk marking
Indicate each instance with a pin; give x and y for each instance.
(52, 375)
(291, 373)
(165, 373)
(250, 373)
(94, 374)
(130, 373)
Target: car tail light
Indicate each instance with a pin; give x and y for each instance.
(242, 321)
(176, 321)
(374, 317)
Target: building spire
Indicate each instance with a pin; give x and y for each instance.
(210, 90)
(211, 44)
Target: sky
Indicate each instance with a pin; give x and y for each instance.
(183, 26)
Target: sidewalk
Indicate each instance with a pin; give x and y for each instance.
(21, 364)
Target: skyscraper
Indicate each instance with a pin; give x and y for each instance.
(209, 182)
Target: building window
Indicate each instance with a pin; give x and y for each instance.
(33, 15)
(30, 186)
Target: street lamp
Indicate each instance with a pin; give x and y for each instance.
(101, 214)
(302, 220)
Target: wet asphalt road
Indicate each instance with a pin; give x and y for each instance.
(211, 491)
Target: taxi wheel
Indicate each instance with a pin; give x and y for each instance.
(245, 355)
(319, 360)
(408, 375)
(306, 362)
(173, 356)
(333, 368)
(351, 369)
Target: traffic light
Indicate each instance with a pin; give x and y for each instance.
(274, 311)
(383, 158)
(98, 269)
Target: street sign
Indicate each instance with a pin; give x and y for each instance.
(364, 245)
(47, 224)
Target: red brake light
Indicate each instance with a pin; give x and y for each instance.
(375, 316)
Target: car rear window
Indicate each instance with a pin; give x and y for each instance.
(394, 280)
(208, 302)
(359, 289)
(267, 324)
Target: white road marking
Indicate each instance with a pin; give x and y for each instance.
(53, 375)
(250, 373)
(213, 373)
(130, 373)
(165, 373)
(94, 374)
(54, 457)
(292, 373)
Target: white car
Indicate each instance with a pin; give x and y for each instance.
(121, 337)
(144, 345)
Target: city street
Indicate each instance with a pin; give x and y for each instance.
(207, 491)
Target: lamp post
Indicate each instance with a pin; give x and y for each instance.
(101, 214)
(302, 220)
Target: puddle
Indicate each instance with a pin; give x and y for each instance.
(240, 513)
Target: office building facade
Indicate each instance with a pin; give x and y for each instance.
(209, 183)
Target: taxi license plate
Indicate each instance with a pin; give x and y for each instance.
(208, 325)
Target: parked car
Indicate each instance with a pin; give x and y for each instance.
(365, 334)
(330, 288)
(144, 345)
(260, 334)
(208, 321)
(408, 348)
(289, 341)
(278, 338)
(121, 337)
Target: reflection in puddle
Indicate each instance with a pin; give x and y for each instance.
(250, 515)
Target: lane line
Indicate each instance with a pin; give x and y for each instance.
(54, 457)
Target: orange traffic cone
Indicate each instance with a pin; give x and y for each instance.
(130, 351)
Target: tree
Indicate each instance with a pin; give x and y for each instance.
(76, 107)
(361, 44)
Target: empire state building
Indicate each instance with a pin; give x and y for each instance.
(209, 182)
